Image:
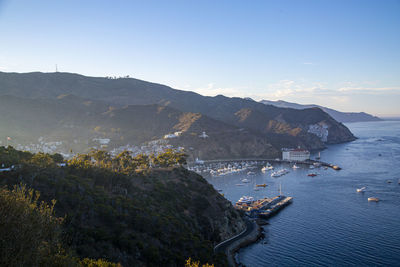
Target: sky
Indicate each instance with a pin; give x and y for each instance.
(340, 54)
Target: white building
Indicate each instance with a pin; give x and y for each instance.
(203, 135)
(296, 154)
(102, 141)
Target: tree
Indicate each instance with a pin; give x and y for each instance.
(190, 263)
(141, 161)
(29, 231)
(58, 158)
(43, 160)
(170, 158)
(81, 161)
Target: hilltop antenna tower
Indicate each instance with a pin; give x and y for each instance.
(56, 68)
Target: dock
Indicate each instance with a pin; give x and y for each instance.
(274, 209)
(265, 207)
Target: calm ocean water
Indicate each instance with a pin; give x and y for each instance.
(329, 223)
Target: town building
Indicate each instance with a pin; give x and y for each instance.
(296, 154)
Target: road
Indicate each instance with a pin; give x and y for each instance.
(225, 246)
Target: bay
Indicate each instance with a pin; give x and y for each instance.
(329, 223)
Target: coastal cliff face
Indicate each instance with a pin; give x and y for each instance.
(157, 217)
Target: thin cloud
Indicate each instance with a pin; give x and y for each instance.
(366, 89)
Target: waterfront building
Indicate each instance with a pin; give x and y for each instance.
(296, 154)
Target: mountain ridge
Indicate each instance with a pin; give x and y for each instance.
(282, 126)
(337, 115)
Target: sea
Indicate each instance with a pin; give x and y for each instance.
(329, 222)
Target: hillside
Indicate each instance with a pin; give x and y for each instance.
(275, 124)
(129, 213)
(337, 115)
(75, 121)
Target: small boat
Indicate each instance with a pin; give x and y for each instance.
(361, 190)
(375, 199)
(398, 181)
(295, 167)
(319, 155)
(245, 180)
(275, 174)
(261, 185)
(312, 174)
(337, 168)
(267, 168)
(312, 167)
(245, 199)
(251, 173)
(239, 184)
(389, 181)
(279, 173)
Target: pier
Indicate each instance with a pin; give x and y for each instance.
(265, 207)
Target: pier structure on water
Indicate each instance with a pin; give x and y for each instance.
(265, 207)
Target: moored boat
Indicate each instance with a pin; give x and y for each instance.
(312, 174)
(361, 190)
(279, 173)
(266, 168)
(374, 199)
(261, 185)
(245, 200)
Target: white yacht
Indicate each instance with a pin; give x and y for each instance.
(279, 173)
(295, 167)
(361, 190)
(245, 200)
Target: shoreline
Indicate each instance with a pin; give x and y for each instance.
(231, 247)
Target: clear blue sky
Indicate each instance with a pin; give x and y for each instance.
(341, 54)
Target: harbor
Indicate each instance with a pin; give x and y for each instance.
(225, 167)
(307, 230)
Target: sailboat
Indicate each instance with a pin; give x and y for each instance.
(319, 155)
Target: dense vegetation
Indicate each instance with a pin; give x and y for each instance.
(30, 234)
(137, 211)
